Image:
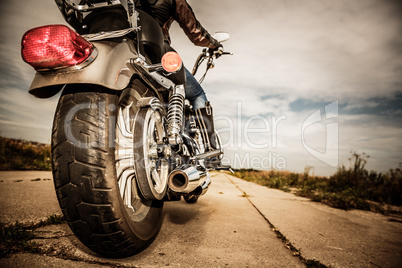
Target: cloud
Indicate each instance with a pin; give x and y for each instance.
(24, 116)
(321, 48)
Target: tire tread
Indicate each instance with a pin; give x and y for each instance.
(86, 197)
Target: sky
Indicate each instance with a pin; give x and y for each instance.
(309, 81)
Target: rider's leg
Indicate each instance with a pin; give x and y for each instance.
(194, 92)
(198, 99)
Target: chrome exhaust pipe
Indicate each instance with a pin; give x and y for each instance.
(203, 188)
(186, 179)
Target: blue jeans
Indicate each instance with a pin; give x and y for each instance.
(194, 92)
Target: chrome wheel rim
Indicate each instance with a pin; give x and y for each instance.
(124, 160)
(157, 168)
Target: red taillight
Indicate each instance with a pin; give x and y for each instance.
(171, 62)
(54, 46)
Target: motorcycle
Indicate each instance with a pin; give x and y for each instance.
(124, 138)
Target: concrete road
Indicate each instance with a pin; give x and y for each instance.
(231, 226)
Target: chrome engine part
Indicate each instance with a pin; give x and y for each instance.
(186, 179)
(175, 114)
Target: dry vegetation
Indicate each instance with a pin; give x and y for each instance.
(353, 187)
(24, 155)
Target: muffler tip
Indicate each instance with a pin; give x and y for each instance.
(185, 179)
(178, 181)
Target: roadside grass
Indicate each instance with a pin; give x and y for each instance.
(349, 188)
(17, 237)
(24, 155)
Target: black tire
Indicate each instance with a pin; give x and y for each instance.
(191, 199)
(85, 176)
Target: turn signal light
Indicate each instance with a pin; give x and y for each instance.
(171, 62)
(53, 47)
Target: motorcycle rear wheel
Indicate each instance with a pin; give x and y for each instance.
(94, 174)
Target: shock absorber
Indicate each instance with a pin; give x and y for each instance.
(175, 114)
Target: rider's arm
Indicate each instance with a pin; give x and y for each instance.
(184, 15)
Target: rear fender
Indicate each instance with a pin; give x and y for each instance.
(110, 69)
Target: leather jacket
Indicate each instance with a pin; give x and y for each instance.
(166, 11)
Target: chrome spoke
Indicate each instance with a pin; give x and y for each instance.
(156, 178)
(127, 118)
(125, 176)
(127, 197)
(124, 160)
(124, 125)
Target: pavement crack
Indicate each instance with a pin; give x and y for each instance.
(53, 237)
(18, 237)
(296, 252)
